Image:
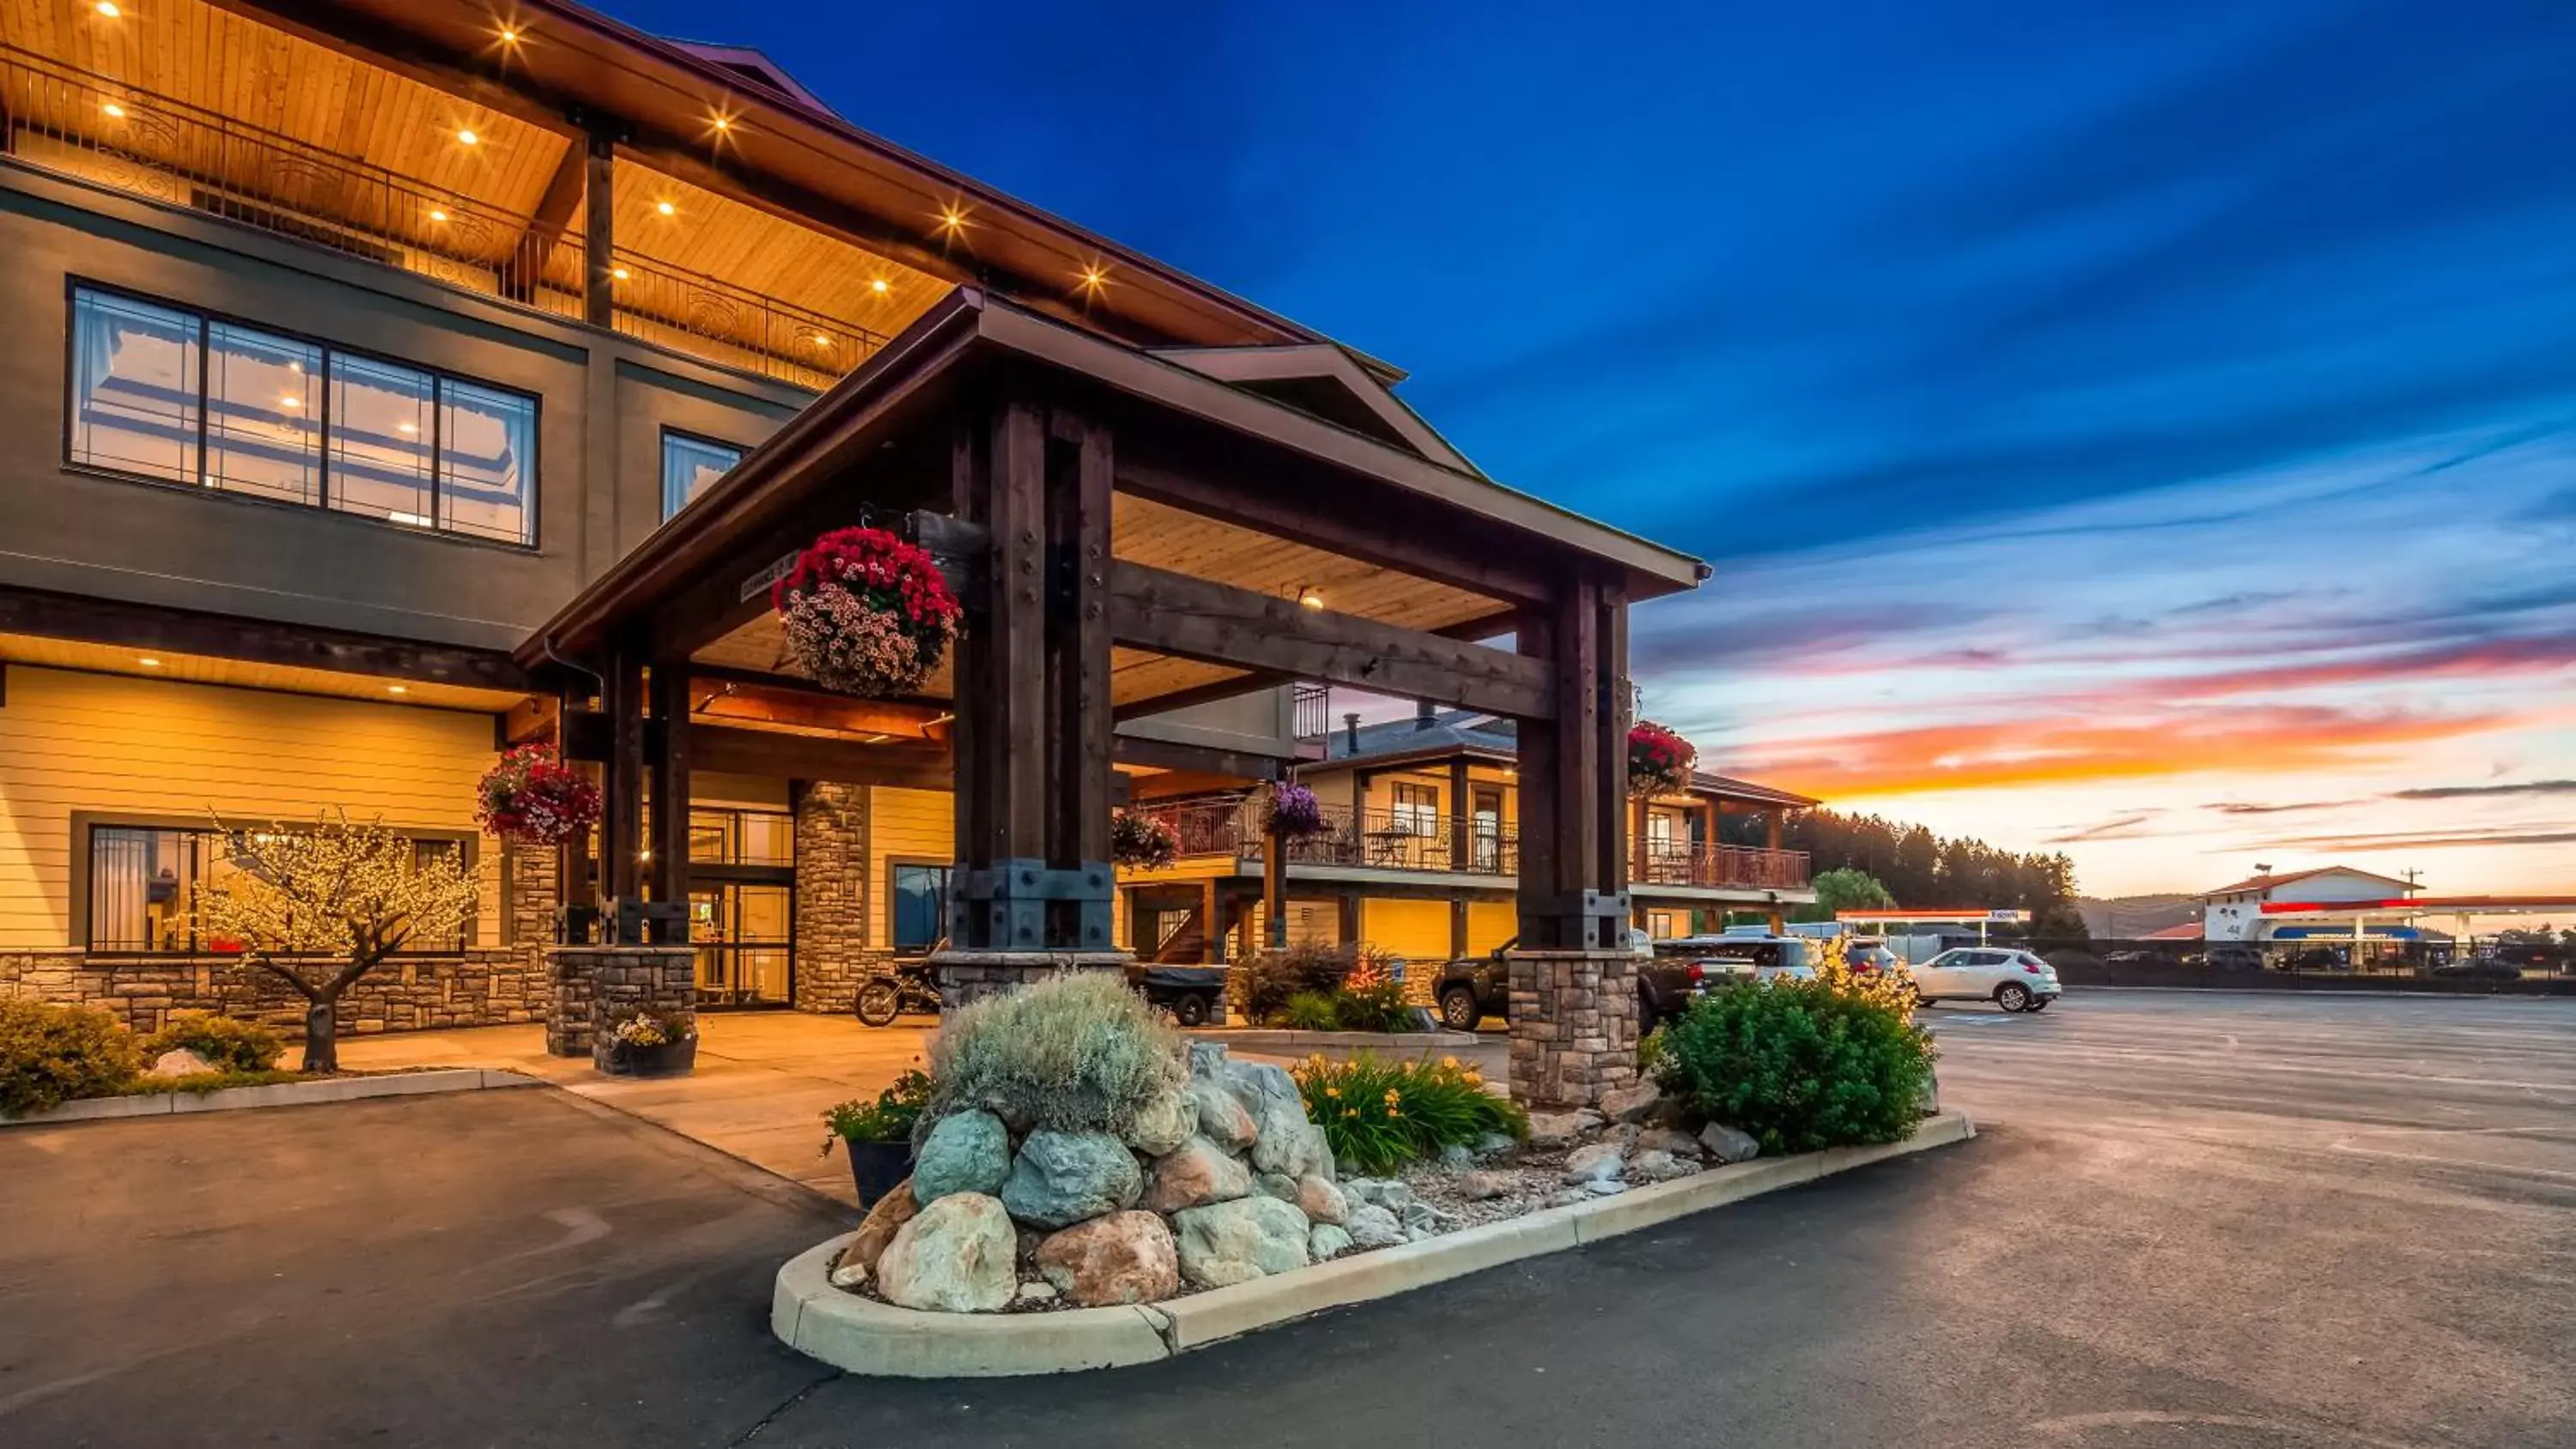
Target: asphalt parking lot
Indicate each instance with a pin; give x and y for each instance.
(2192, 1220)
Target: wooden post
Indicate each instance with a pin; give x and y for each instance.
(1573, 785)
(1461, 839)
(1457, 925)
(669, 878)
(621, 806)
(1771, 834)
(1211, 930)
(1078, 480)
(1350, 913)
(576, 893)
(1274, 888)
(599, 232)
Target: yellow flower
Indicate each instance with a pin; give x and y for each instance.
(1332, 1091)
(1393, 1096)
(1450, 1062)
(1475, 1079)
(1350, 1111)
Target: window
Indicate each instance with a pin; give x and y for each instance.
(1417, 809)
(741, 837)
(920, 908)
(163, 393)
(143, 884)
(690, 466)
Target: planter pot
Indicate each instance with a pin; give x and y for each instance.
(878, 1167)
(672, 1059)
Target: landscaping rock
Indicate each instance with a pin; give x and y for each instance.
(1725, 1144)
(1599, 1162)
(1207, 1059)
(1275, 1184)
(1165, 1123)
(1386, 1192)
(1037, 1293)
(1484, 1186)
(1371, 1226)
(1565, 1197)
(1455, 1157)
(1125, 1257)
(180, 1062)
(1494, 1144)
(1421, 1219)
(965, 1152)
(1321, 1201)
(881, 1224)
(956, 1256)
(1667, 1139)
(850, 1275)
(1238, 1241)
(1605, 1187)
(1062, 1178)
(1221, 1119)
(1198, 1174)
(1657, 1165)
(1556, 1129)
(1327, 1240)
(1630, 1104)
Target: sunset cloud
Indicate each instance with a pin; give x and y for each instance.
(2461, 792)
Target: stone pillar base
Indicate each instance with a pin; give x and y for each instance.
(1573, 1026)
(593, 983)
(968, 976)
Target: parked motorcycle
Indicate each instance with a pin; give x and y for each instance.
(887, 995)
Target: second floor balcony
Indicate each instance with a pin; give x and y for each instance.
(1431, 842)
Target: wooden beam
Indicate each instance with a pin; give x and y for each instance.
(154, 629)
(669, 876)
(1077, 646)
(1193, 618)
(736, 750)
(530, 720)
(1200, 759)
(1014, 765)
(523, 270)
(809, 708)
(599, 231)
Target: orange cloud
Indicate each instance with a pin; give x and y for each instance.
(2074, 748)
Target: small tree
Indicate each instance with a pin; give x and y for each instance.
(1846, 888)
(319, 908)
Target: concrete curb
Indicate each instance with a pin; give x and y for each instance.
(864, 1336)
(276, 1094)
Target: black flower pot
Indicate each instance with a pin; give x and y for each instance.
(878, 1167)
(671, 1059)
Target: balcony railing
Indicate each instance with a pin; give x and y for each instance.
(133, 140)
(1732, 867)
(1375, 839)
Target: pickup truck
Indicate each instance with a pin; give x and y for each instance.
(1672, 972)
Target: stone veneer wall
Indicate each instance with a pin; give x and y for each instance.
(832, 951)
(531, 872)
(967, 976)
(1573, 1026)
(592, 982)
(481, 987)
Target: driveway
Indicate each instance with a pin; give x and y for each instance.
(2202, 1221)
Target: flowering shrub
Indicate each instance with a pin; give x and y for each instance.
(531, 797)
(1147, 842)
(1891, 989)
(1378, 1115)
(1260, 985)
(1295, 812)
(651, 1029)
(1659, 761)
(866, 613)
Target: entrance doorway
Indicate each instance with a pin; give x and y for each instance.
(742, 906)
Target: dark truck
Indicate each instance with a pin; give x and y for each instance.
(1194, 995)
(1472, 988)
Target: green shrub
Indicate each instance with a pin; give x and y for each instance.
(1312, 1011)
(1076, 1053)
(1381, 1115)
(1259, 987)
(1798, 1065)
(890, 1118)
(1376, 1006)
(51, 1054)
(227, 1044)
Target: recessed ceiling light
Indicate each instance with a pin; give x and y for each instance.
(148, 662)
(407, 427)
(509, 36)
(114, 111)
(1308, 597)
(107, 8)
(290, 402)
(821, 340)
(437, 215)
(879, 286)
(618, 272)
(666, 208)
(467, 136)
(724, 123)
(1094, 278)
(951, 219)
(397, 689)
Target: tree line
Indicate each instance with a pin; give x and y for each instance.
(1927, 871)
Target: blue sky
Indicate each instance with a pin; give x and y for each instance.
(2137, 429)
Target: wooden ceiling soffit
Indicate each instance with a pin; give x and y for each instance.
(1193, 618)
(150, 627)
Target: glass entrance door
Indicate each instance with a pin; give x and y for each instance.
(744, 943)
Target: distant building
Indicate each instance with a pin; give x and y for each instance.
(2235, 912)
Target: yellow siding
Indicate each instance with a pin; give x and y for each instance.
(113, 745)
(1490, 924)
(905, 825)
(1414, 930)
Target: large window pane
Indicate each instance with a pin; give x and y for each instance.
(141, 887)
(134, 387)
(487, 461)
(381, 415)
(689, 467)
(920, 906)
(263, 414)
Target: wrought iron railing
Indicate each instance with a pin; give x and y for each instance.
(103, 131)
(1314, 711)
(1378, 839)
(1734, 867)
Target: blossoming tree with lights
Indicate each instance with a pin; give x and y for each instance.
(866, 613)
(1659, 760)
(320, 906)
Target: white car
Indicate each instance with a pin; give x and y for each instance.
(2014, 980)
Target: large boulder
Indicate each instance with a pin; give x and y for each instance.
(1657, 1165)
(1669, 1139)
(1164, 1123)
(1284, 1141)
(1371, 1226)
(1221, 1119)
(1062, 1178)
(964, 1152)
(1726, 1144)
(1198, 1174)
(1556, 1129)
(181, 1062)
(1321, 1201)
(1238, 1241)
(1274, 1184)
(1126, 1257)
(1599, 1162)
(1630, 1104)
(1325, 1241)
(958, 1255)
(881, 1224)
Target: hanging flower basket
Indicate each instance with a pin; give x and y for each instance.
(1659, 761)
(1295, 812)
(1146, 842)
(866, 613)
(531, 797)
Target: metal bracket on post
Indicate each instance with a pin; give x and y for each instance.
(658, 923)
(1589, 920)
(1026, 905)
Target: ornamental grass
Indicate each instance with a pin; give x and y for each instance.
(1381, 1115)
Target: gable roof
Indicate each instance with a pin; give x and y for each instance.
(756, 68)
(2269, 882)
(1325, 381)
